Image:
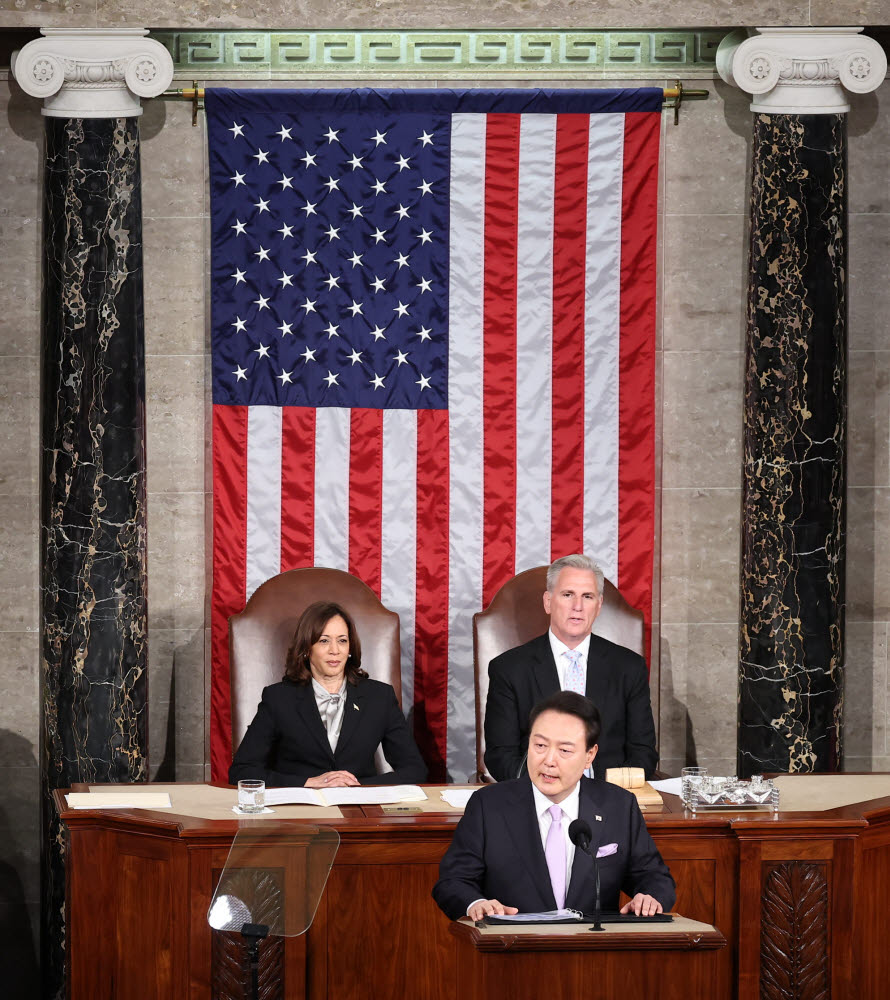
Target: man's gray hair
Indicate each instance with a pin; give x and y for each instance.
(576, 561)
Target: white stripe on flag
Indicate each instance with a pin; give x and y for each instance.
(398, 540)
(534, 339)
(332, 487)
(465, 431)
(601, 321)
(263, 505)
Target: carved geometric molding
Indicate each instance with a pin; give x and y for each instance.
(794, 930)
(89, 73)
(230, 975)
(541, 53)
(802, 71)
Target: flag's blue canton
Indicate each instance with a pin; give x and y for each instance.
(330, 259)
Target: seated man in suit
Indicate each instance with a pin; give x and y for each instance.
(511, 851)
(569, 658)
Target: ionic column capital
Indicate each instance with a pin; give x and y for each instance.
(802, 71)
(87, 73)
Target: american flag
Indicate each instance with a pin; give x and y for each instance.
(433, 357)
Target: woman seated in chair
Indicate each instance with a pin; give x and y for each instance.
(322, 724)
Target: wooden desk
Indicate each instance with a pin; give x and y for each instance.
(781, 889)
(676, 961)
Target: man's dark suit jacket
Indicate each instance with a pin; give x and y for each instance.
(496, 853)
(617, 683)
(287, 743)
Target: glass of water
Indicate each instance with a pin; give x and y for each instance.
(251, 796)
(691, 778)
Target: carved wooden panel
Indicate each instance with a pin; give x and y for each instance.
(794, 933)
(230, 975)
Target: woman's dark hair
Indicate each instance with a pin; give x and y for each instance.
(310, 629)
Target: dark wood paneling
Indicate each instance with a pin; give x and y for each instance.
(794, 932)
(142, 928)
(869, 917)
(630, 965)
(377, 933)
(390, 904)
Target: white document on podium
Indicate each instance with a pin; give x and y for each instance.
(547, 917)
(363, 795)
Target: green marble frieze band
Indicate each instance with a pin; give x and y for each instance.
(438, 54)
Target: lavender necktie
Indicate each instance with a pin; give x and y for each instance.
(575, 679)
(555, 852)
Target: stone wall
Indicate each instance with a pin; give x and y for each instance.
(700, 391)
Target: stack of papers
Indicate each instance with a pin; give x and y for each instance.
(132, 798)
(355, 796)
(457, 797)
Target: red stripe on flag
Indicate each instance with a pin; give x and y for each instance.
(569, 253)
(229, 557)
(431, 600)
(366, 496)
(636, 362)
(499, 352)
(297, 487)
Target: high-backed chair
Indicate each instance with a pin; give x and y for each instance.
(516, 615)
(260, 635)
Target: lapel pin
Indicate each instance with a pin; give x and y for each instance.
(599, 819)
(355, 706)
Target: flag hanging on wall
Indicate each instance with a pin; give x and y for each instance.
(433, 342)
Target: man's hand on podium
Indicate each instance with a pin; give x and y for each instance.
(489, 908)
(642, 905)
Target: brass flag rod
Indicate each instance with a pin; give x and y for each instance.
(673, 98)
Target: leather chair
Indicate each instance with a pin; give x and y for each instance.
(516, 615)
(260, 635)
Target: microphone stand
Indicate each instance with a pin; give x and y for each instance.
(580, 837)
(597, 913)
(253, 934)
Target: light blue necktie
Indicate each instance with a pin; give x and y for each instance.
(576, 680)
(575, 675)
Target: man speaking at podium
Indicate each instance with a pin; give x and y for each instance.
(571, 658)
(511, 851)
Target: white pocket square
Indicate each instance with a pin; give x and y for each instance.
(606, 850)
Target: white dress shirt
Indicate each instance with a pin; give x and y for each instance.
(569, 806)
(559, 648)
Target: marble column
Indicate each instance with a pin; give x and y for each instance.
(791, 642)
(93, 547)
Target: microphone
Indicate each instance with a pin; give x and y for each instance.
(522, 765)
(580, 835)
